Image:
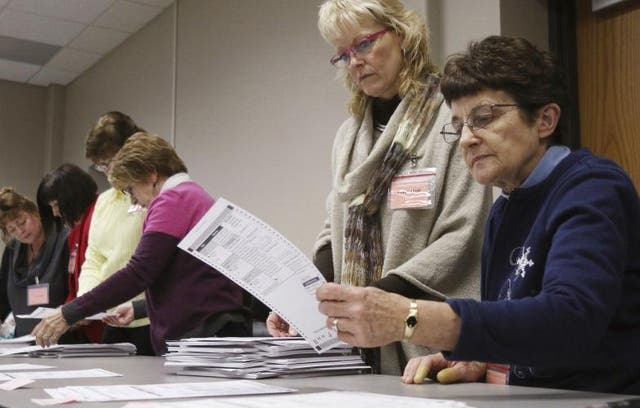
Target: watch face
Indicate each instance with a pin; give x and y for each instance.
(411, 321)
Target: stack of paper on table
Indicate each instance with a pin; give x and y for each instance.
(73, 350)
(260, 357)
(16, 342)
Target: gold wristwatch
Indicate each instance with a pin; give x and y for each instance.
(411, 321)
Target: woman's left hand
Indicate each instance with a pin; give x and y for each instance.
(49, 330)
(445, 371)
(363, 316)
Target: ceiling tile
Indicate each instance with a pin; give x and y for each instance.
(83, 11)
(98, 40)
(156, 3)
(31, 52)
(47, 30)
(48, 76)
(127, 16)
(73, 60)
(17, 71)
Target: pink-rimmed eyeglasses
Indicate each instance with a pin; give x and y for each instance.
(360, 49)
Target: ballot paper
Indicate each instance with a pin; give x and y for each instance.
(260, 357)
(22, 340)
(50, 375)
(73, 350)
(22, 366)
(311, 400)
(124, 392)
(8, 345)
(42, 312)
(266, 264)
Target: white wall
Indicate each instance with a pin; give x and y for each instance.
(22, 129)
(256, 104)
(257, 108)
(136, 78)
(454, 23)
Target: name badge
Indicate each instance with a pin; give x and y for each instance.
(38, 294)
(413, 189)
(497, 373)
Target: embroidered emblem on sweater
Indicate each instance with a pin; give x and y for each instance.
(523, 262)
(520, 259)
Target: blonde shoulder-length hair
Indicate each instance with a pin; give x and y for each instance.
(339, 16)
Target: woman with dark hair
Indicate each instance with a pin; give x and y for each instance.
(34, 263)
(184, 296)
(560, 260)
(70, 193)
(116, 227)
(107, 136)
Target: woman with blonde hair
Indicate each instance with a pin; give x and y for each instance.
(403, 213)
(184, 296)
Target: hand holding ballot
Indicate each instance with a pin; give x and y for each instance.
(363, 316)
(278, 327)
(122, 316)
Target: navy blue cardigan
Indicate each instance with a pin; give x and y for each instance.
(561, 282)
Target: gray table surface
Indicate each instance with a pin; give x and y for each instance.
(151, 370)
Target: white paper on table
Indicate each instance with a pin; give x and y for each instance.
(45, 375)
(46, 402)
(102, 393)
(316, 400)
(15, 384)
(263, 262)
(42, 312)
(19, 350)
(27, 338)
(22, 366)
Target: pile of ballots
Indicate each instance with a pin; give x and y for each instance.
(260, 357)
(25, 347)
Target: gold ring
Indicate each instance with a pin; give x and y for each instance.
(334, 324)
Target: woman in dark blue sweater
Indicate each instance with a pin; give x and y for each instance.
(561, 258)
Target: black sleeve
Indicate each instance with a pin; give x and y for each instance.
(395, 284)
(323, 260)
(139, 308)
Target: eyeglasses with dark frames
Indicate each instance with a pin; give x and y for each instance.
(360, 49)
(479, 118)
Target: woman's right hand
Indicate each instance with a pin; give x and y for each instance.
(278, 327)
(446, 372)
(122, 316)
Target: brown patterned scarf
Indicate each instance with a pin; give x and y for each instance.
(363, 238)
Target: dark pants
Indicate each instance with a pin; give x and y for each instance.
(139, 336)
